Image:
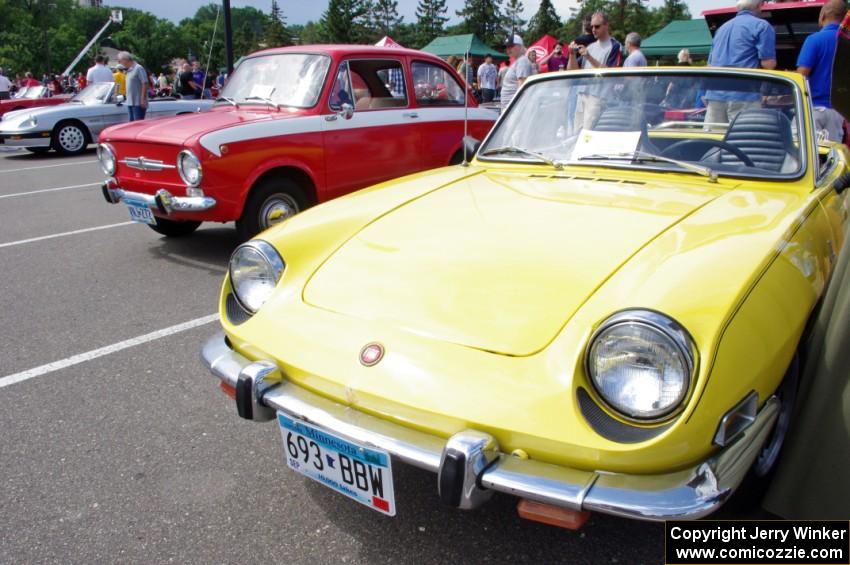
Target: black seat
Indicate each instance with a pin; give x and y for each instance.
(764, 135)
(626, 118)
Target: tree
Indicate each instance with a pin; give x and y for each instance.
(484, 19)
(430, 20)
(672, 10)
(513, 22)
(345, 21)
(545, 21)
(276, 34)
(384, 17)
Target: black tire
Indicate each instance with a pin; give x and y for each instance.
(70, 137)
(272, 200)
(38, 150)
(173, 228)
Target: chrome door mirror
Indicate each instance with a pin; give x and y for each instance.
(346, 112)
(119, 99)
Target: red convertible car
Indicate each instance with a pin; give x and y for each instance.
(293, 127)
(31, 97)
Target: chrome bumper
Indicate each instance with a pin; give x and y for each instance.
(470, 466)
(162, 201)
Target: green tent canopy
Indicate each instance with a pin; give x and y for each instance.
(459, 45)
(679, 34)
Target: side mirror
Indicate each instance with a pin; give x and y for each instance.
(347, 112)
(841, 183)
(119, 99)
(470, 145)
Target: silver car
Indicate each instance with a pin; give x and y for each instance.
(69, 128)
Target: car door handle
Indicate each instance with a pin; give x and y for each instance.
(410, 115)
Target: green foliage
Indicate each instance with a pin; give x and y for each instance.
(545, 21)
(346, 21)
(384, 18)
(625, 16)
(276, 33)
(430, 21)
(484, 19)
(45, 35)
(513, 22)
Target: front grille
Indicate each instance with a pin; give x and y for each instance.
(235, 314)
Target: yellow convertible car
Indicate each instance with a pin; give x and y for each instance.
(602, 312)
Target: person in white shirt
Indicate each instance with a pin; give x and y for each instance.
(636, 57)
(99, 72)
(5, 86)
(487, 79)
(517, 73)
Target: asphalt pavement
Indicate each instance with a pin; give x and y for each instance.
(116, 445)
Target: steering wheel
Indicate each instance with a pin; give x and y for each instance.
(712, 143)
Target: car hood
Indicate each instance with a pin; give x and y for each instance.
(179, 129)
(498, 261)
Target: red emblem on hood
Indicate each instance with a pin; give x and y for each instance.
(371, 354)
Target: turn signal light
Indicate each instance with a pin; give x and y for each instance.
(227, 389)
(552, 515)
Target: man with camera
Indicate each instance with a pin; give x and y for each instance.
(604, 52)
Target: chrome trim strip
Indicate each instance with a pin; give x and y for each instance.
(162, 201)
(145, 164)
(687, 494)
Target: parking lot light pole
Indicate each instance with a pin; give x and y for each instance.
(228, 37)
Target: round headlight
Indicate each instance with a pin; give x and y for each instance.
(106, 156)
(189, 167)
(255, 269)
(641, 363)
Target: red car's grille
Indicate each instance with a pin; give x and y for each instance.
(146, 165)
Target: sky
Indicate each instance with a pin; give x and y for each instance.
(302, 11)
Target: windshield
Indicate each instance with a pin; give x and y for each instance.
(32, 92)
(97, 93)
(713, 124)
(291, 79)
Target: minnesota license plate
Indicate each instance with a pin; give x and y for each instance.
(139, 212)
(357, 471)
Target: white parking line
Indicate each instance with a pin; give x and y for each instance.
(95, 353)
(48, 190)
(47, 166)
(63, 234)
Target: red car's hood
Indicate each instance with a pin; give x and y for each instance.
(179, 129)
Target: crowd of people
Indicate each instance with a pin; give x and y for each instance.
(745, 41)
(188, 80)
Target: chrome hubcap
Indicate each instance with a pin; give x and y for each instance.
(71, 138)
(276, 209)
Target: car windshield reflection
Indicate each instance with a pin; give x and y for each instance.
(97, 93)
(289, 80)
(707, 123)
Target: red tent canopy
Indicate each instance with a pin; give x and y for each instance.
(543, 46)
(388, 41)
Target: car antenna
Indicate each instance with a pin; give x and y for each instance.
(465, 163)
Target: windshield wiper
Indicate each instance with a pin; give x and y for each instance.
(521, 151)
(226, 99)
(266, 100)
(643, 156)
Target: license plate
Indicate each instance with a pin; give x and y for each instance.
(139, 212)
(357, 471)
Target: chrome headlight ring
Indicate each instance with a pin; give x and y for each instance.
(189, 167)
(106, 157)
(255, 268)
(650, 366)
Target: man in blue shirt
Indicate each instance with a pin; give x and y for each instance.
(815, 62)
(745, 41)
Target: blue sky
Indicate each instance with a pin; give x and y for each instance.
(301, 11)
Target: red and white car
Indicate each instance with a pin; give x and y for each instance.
(32, 97)
(294, 126)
